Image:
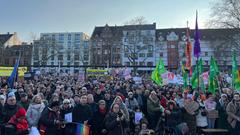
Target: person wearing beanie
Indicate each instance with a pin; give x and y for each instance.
(66, 109)
(20, 122)
(98, 121)
(10, 108)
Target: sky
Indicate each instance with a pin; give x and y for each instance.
(32, 17)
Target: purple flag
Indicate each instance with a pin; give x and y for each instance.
(197, 49)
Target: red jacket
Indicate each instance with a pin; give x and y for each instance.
(20, 125)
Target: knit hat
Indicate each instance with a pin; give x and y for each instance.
(11, 94)
(20, 113)
(224, 95)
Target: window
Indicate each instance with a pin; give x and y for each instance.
(35, 63)
(68, 57)
(150, 48)
(149, 64)
(142, 63)
(52, 63)
(7, 61)
(150, 55)
(127, 63)
(68, 63)
(161, 54)
(76, 63)
(126, 49)
(76, 57)
(69, 36)
(25, 61)
(52, 57)
(141, 54)
(206, 53)
(60, 57)
(126, 55)
(61, 37)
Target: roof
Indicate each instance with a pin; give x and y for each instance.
(4, 38)
(117, 30)
(206, 34)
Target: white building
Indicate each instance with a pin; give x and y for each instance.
(64, 52)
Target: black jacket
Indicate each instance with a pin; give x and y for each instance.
(63, 112)
(47, 119)
(113, 126)
(8, 112)
(98, 123)
(81, 113)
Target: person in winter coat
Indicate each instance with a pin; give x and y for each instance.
(24, 102)
(10, 108)
(116, 121)
(66, 108)
(91, 103)
(154, 109)
(131, 102)
(233, 111)
(118, 100)
(108, 99)
(201, 118)
(98, 120)
(34, 111)
(221, 107)
(210, 105)
(20, 123)
(49, 123)
(82, 112)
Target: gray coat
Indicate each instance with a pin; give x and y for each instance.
(34, 113)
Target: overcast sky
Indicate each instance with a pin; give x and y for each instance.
(38, 16)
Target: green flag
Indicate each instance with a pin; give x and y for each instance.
(235, 74)
(213, 85)
(156, 74)
(185, 77)
(194, 79)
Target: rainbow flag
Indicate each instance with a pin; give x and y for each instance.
(82, 129)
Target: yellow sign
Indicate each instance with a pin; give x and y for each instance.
(96, 72)
(6, 71)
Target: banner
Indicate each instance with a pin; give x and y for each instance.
(169, 77)
(6, 71)
(96, 72)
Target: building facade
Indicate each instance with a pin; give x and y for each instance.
(61, 51)
(144, 45)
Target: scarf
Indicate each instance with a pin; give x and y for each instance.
(102, 111)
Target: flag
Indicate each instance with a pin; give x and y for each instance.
(235, 72)
(156, 74)
(214, 72)
(197, 49)
(14, 75)
(82, 129)
(188, 52)
(184, 74)
(196, 73)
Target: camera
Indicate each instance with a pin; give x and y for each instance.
(120, 114)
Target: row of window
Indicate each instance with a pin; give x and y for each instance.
(139, 63)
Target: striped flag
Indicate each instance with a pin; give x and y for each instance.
(82, 129)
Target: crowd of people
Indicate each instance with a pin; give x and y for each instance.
(113, 107)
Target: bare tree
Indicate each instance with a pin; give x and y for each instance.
(226, 14)
(139, 20)
(136, 40)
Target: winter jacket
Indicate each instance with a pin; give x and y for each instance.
(154, 107)
(232, 111)
(21, 127)
(201, 120)
(34, 113)
(174, 118)
(9, 111)
(131, 104)
(65, 111)
(98, 122)
(81, 113)
(25, 105)
(47, 122)
(113, 126)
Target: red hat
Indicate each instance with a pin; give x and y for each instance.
(20, 113)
